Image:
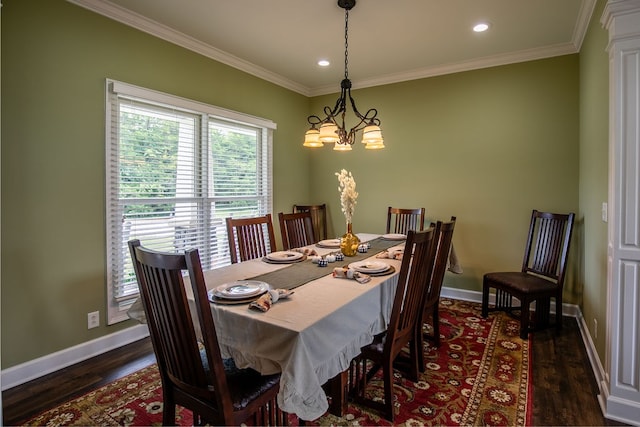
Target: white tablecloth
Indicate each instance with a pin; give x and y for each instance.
(310, 337)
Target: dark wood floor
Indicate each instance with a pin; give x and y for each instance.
(564, 388)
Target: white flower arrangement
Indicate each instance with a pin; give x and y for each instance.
(348, 193)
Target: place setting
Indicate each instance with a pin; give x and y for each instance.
(257, 294)
(329, 244)
(372, 268)
(394, 236)
(284, 257)
(238, 292)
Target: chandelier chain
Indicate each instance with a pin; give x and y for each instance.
(346, 43)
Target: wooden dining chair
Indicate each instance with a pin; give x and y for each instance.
(401, 330)
(442, 248)
(318, 216)
(250, 238)
(541, 276)
(192, 372)
(401, 220)
(296, 229)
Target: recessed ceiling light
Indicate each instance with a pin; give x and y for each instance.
(323, 63)
(478, 28)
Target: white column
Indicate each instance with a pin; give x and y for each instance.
(621, 391)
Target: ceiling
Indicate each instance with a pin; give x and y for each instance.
(389, 40)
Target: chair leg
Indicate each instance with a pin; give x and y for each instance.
(169, 410)
(436, 326)
(485, 298)
(415, 352)
(524, 318)
(420, 340)
(559, 310)
(387, 374)
(543, 312)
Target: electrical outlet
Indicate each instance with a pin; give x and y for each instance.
(595, 328)
(93, 319)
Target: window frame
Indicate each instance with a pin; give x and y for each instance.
(115, 91)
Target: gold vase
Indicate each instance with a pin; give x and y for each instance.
(349, 242)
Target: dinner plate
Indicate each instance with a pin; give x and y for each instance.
(329, 243)
(394, 236)
(369, 266)
(386, 272)
(241, 289)
(226, 301)
(284, 256)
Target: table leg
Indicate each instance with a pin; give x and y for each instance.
(337, 389)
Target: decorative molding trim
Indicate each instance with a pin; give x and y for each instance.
(440, 70)
(582, 26)
(163, 32)
(25, 372)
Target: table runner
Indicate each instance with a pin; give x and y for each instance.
(298, 274)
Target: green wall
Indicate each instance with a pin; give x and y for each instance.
(594, 174)
(55, 59)
(487, 146)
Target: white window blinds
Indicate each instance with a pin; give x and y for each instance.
(175, 170)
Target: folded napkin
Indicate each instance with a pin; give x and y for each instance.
(453, 264)
(265, 302)
(349, 273)
(305, 251)
(392, 253)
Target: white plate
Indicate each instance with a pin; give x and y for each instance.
(369, 266)
(241, 289)
(394, 236)
(284, 256)
(330, 243)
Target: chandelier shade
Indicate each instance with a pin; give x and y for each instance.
(331, 129)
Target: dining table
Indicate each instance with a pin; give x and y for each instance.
(312, 336)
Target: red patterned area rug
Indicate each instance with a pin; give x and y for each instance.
(479, 376)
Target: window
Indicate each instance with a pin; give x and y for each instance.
(175, 170)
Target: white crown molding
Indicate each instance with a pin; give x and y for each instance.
(156, 29)
(476, 64)
(584, 17)
(163, 32)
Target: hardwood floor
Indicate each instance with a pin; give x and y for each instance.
(564, 387)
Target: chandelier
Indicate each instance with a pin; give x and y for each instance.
(332, 129)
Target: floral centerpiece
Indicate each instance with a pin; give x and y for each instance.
(348, 195)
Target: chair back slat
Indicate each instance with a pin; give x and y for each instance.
(547, 244)
(416, 267)
(174, 334)
(318, 217)
(187, 351)
(296, 229)
(250, 238)
(401, 220)
(442, 244)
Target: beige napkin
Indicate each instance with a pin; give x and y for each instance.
(453, 264)
(392, 253)
(349, 273)
(305, 251)
(265, 302)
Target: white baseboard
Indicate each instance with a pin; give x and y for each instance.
(36, 368)
(25, 372)
(20, 374)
